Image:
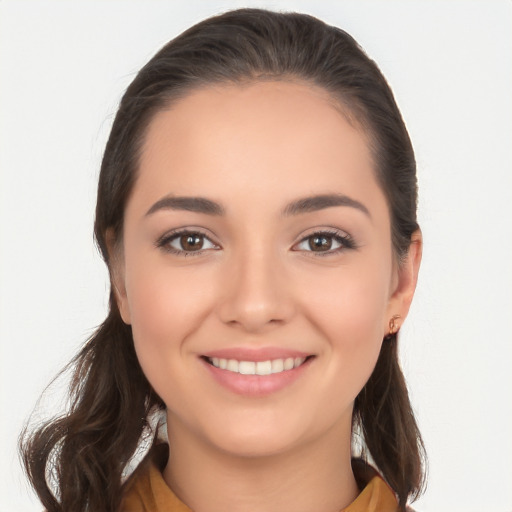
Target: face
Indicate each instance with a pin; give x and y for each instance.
(257, 269)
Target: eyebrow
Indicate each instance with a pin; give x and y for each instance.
(297, 207)
(190, 204)
(320, 202)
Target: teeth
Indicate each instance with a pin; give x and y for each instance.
(288, 363)
(257, 368)
(277, 365)
(247, 367)
(232, 365)
(263, 367)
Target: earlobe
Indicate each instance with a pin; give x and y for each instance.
(117, 275)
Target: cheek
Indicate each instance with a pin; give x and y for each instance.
(162, 297)
(350, 310)
(166, 307)
(351, 300)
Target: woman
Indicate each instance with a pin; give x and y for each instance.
(257, 213)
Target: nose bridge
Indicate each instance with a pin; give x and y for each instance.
(256, 292)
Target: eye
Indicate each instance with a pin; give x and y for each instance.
(325, 242)
(186, 242)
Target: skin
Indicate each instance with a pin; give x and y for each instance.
(257, 283)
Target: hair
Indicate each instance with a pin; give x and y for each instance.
(86, 450)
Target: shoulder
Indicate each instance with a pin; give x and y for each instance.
(373, 489)
(146, 489)
(137, 493)
(375, 494)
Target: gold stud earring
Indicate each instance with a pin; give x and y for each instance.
(394, 325)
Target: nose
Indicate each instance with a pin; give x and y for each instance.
(257, 292)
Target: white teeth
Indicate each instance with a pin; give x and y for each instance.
(263, 367)
(288, 363)
(247, 367)
(277, 365)
(257, 368)
(232, 365)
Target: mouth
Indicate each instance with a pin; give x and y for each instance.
(257, 373)
(262, 368)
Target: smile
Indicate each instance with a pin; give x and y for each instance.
(257, 373)
(268, 367)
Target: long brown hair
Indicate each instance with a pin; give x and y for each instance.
(87, 449)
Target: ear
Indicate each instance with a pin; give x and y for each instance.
(405, 281)
(117, 275)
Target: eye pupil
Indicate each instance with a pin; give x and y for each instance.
(191, 241)
(320, 243)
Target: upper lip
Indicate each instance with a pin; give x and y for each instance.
(255, 354)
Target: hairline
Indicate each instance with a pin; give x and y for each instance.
(345, 104)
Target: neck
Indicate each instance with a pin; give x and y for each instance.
(316, 476)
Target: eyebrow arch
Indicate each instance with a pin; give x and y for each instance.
(191, 204)
(320, 202)
(303, 205)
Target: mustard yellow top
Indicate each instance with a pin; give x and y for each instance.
(147, 491)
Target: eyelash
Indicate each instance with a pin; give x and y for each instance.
(345, 241)
(164, 242)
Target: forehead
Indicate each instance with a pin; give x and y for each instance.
(286, 137)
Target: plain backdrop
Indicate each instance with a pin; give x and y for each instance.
(63, 68)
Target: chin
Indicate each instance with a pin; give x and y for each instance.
(255, 439)
(255, 447)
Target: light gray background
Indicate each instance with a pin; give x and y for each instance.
(63, 68)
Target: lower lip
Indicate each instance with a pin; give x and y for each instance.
(256, 385)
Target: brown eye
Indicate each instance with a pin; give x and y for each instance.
(191, 241)
(325, 243)
(320, 243)
(186, 243)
